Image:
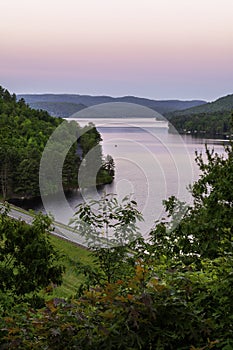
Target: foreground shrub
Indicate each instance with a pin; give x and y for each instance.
(184, 310)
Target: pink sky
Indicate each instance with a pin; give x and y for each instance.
(152, 48)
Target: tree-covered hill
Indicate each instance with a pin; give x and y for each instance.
(24, 133)
(222, 104)
(212, 119)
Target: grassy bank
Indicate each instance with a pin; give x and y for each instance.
(71, 279)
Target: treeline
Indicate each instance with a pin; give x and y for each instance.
(205, 124)
(210, 120)
(24, 133)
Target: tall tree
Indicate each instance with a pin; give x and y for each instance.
(28, 261)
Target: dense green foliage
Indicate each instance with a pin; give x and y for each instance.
(203, 124)
(211, 119)
(24, 133)
(28, 261)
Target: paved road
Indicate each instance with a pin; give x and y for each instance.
(60, 230)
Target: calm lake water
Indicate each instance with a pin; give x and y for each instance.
(150, 164)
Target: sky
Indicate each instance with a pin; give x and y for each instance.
(160, 49)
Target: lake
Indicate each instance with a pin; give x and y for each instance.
(150, 163)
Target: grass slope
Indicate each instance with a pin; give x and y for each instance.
(71, 278)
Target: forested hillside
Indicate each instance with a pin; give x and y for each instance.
(211, 119)
(24, 133)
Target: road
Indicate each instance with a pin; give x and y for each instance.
(60, 230)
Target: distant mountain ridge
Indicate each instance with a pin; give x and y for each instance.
(64, 104)
(58, 109)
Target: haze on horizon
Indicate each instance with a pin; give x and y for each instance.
(159, 49)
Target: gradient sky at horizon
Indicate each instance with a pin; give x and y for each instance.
(159, 49)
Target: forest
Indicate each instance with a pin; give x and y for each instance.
(24, 133)
(212, 119)
(216, 124)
